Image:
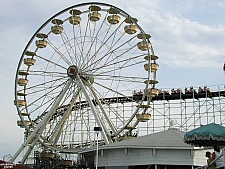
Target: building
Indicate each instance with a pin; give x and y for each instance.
(162, 150)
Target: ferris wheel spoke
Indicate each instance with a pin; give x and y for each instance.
(93, 39)
(119, 68)
(94, 111)
(70, 93)
(100, 99)
(44, 99)
(88, 45)
(113, 128)
(117, 115)
(47, 73)
(84, 61)
(117, 56)
(117, 62)
(68, 45)
(40, 100)
(103, 43)
(126, 61)
(55, 105)
(120, 78)
(79, 121)
(40, 127)
(82, 43)
(74, 42)
(40, 85)
(81, 57)
(85, 35)
(50, 61)
(114, 91)
(78, 127)
(109, 50)
(112, 52)
(61, 123)
(61, 55)
(61, 108)
(109, 61)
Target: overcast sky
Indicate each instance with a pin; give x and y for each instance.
(188, 36)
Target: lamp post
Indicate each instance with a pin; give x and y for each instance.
(97, 129)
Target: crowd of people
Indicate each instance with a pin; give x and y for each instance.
(137, 93)
(219, 163)
(178, 91)
(186, 90)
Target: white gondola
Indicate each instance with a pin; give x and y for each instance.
(29, 61)
(57, 21)
(143, 45)
(151, 82)
(49, 154)
(143, 117)
(143, 36)
(22, 82)
(23, 72)
(129, 128)
(127, 137)
(21, 124)
(21, 94)
(20, 103)
(154, 67)
(29, 53)
(131, 20)
(89, 78)
(94, 15)
(143, 106)
(152, 92)
(74, 12)
(68, 162)
(75, 20)
(41, 43)
(24, 113)
(131, 29)
(151, 57)
(41, 35)
(57, 28)
(113, 19)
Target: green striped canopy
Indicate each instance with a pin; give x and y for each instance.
(206, 135)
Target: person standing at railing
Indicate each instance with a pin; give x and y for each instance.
(209, 160)
(219, 162)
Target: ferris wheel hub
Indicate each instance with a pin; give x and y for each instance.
(72, 71)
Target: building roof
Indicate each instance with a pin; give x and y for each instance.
(169, 139)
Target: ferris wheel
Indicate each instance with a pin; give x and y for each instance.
(78, 71)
